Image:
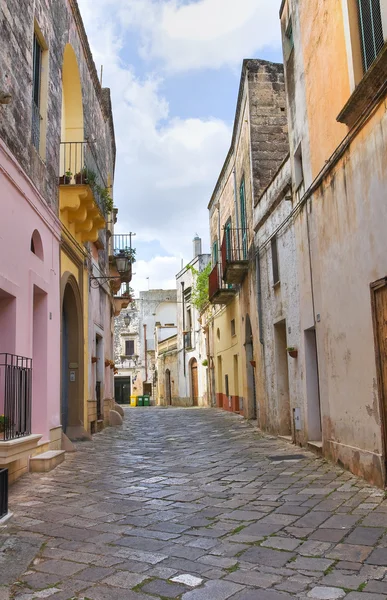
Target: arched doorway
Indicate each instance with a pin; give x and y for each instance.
(194, 382)
(168, 393)
(72, 365)
(250, 410)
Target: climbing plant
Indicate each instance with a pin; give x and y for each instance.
(199, 293)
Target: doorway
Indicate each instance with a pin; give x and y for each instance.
(168, 391)
(379, 306)
(194, 383)
(282, 375)
(72, 371)
(312, 386)
(251, 404)
(122, 390)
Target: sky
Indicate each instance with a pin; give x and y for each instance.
(173, 67)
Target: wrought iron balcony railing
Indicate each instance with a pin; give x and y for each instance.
(218, 291)
(15, 396)
(234, 252)
(79, 166)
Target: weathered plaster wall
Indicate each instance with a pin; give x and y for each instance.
(198, 351)
(280, 304)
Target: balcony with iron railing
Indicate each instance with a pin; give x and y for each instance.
(85, 197)
(234, 252)
(218, 291)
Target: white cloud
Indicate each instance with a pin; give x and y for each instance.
(167, 167)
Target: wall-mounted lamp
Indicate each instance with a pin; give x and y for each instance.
(127, 320)
(122, 266)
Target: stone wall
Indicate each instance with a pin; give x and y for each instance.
(60, 23)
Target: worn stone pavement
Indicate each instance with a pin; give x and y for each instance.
(193, 504)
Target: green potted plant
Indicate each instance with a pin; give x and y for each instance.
(4, 422)
(205, 363)
(66, 178)
(292, 351)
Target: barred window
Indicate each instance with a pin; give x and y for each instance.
(371, 30)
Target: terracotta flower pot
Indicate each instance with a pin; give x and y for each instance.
(64, 180)
(293, 353)
(94, 359)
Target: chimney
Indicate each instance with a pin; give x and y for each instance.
(197, 246)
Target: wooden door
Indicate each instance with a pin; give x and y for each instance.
(168, 391)
(379, 290)
(194, 382)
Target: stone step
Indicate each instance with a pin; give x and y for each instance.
(315, 446)
(42, 463)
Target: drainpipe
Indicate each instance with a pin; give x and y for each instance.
(145, 354)
(183, 307)
(236, 209)
(259, 296)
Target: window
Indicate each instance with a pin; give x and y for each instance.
(289, 36)
(243, 220)
(36, 81)
(215, 252)
(129, 347)
(233, 327)
(189, 319)
(274, 260)
(298, 167)
(39, 92)
(371, 30)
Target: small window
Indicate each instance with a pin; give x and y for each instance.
(36, 244)
(274, 260)
(189, 319)
(371, 30)
(298, 167)
(226, 385)
(218, 333)
(233, 327)
(289, 36)
(129, 347)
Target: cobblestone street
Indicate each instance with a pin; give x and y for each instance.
(194, 504)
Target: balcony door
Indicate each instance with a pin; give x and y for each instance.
(243, 220)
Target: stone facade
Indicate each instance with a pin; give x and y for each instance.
(258, 147)
(152, 308)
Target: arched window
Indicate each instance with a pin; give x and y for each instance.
(37, 245)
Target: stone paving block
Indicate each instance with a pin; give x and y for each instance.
(93, 574)
(378, 557)
(328, 535)
(350, 552)
(39, 581)
(216, 590)
(164, 589)
(340, 522)
(337, 579)
(281, 543)
(312, 519)
(187, 579)
(326, 593)
(266, 556)
(261, 595)
(303, 563)
(364, 596)
(104, 592)
(365, 536)
(60, 568)
(124, 579)
(254, 578)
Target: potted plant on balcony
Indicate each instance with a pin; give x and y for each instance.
(4, 422)
(66, 178)
(292, 351)
(94, 359)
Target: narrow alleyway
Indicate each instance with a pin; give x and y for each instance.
(194, 504)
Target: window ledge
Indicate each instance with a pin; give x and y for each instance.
(362, 98)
